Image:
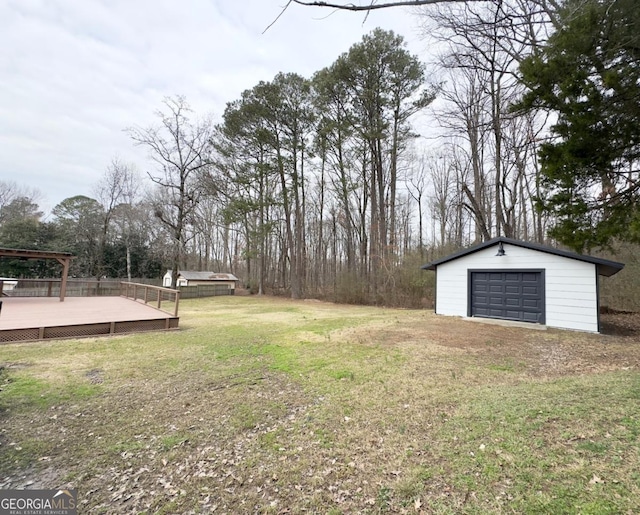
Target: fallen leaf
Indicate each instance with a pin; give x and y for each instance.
(595, 479)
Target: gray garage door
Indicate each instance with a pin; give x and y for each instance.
(512, 295)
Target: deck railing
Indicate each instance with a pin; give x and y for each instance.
(149, 293)
(75, 288)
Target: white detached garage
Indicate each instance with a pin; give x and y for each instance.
(527, 282)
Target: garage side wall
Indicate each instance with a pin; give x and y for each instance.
(570, 285)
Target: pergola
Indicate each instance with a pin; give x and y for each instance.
(64, 258)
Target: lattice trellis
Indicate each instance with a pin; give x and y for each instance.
(139, 325)
(85, 330)
(74, 331)
(18, 335)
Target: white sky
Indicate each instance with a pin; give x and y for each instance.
(75, 73)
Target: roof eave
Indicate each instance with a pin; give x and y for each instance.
(604, 267)
(608, 271)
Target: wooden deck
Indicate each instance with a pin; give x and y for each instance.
(37, 318)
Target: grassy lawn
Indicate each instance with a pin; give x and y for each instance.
(263, 405)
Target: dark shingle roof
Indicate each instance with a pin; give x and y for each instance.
(604, 266)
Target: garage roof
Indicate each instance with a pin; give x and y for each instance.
(604, 266)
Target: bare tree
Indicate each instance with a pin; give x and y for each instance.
(442, 200)
(181, 148)
(10, 191)
(484, 44)
(117, 191)
(416, 186)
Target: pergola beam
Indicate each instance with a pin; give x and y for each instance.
(64, 258)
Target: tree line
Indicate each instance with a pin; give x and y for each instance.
(322, 187)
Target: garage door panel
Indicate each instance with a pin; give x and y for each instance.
(530, 317)
(512, 295)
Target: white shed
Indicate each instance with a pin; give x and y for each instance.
(188, 278)
(527, 282)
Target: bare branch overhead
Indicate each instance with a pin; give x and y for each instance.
(368, 7)
(372, 6)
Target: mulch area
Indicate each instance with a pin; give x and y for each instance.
(624, 324)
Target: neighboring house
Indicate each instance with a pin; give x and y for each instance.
(186, 278)
(527, 282)
(7, 284)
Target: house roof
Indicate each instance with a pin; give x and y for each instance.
(205, 276)
(605, 267)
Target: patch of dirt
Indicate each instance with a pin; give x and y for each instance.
(95, 376)
(622, 324)
(553, 352)
(33, 479)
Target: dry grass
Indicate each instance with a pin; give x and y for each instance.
(262, 405)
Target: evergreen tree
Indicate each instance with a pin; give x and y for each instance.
(588, 74)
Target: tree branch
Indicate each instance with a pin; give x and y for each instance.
(277, 17)
(372, 6)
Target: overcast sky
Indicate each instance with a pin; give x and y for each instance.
(75, 73)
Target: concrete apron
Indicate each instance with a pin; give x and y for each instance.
(506, 323)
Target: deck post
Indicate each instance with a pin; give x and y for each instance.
(65, 273)
(175, 312)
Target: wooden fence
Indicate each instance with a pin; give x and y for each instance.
(205, 290)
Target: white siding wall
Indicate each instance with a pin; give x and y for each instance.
(570, 285)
